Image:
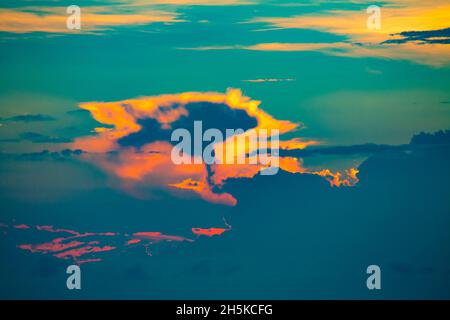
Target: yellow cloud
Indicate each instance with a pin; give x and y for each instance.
(429, 54)
(436, 55)
(53, 20)
(396, 17)
(128, 12)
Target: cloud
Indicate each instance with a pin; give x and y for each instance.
(269, 80)
(135, 148)
(40, 138)
(361, 149)
(99, 18)
(93, 19)
(29, 118)
(421, 140)
(432, 36)
(395, 18)
(209, 232)
(405, 195)
(394, 40)
(402, 113)
(438, 138)
(84, 247)
(373, 71)
(433, 54)
(47, 155)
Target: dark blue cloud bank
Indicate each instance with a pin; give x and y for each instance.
(29, 118)
(293, 236)
(430, 36)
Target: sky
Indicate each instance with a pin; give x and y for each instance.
(87, 178)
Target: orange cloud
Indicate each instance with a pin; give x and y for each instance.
(53, 19)
(212, 231)
(208, 232)
(433, 54)
(78, 252)
(336, 179)
(99, 18)
(150, 165)
(352, 23)
(205, 191)
(53, 246)
(296, 144)
(396, 16)
(69, 247)
(158, 236)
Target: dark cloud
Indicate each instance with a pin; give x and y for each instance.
(441, 36)
(440, 138)
(40, 138)
(362, 149)
(29, 118)
(47, 155)
(218, 116)
(291, 232)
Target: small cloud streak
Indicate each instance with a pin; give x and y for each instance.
(262, 80)
(84, 247)
(210, 232)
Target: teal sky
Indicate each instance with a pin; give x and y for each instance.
(340, 100)
(113, 200)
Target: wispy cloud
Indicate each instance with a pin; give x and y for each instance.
(85, 247)
(29, 118)
(52, 19)
(93, 19)
(410, 30)
(262, 80)
(397, 17)
(435, 54)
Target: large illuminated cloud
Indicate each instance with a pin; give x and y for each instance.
(134, 146)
